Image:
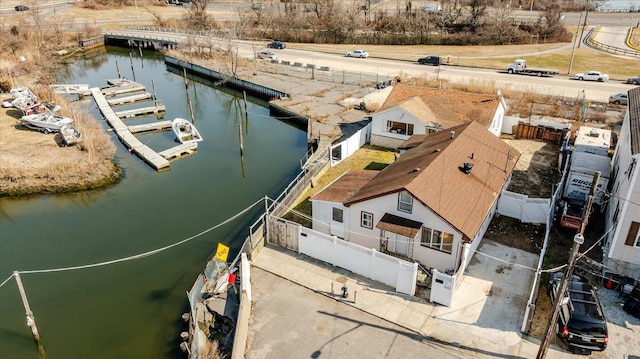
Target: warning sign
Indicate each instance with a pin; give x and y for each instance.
(222, 252)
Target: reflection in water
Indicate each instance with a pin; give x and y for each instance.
(132, 309)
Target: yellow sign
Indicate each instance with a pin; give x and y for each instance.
(222, 252)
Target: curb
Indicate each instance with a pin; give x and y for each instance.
(628, 42)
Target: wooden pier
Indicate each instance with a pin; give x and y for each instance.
(159, 161)
(129, 99)
(157, 108)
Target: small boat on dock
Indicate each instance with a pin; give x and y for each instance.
(70, 135)
(22, 91)
(46, 122)
(185, 131)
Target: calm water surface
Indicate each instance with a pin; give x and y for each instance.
(132, 309)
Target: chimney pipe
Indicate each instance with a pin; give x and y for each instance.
(453, 134)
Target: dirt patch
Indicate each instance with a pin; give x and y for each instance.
(537, 169)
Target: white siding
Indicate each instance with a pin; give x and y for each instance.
(370, 238)
(379, 135)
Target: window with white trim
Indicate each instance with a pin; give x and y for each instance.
(337, 215)
(399, 128)
(405, 202)
(435, 239)
(366, 220)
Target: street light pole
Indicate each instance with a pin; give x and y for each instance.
(578, 239)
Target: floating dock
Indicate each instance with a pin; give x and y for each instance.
(121, 86)
(159, 161)
(129, 99)
(150, 127)
(157, 108)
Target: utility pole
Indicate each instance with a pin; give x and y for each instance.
(578, 239)
(31, 321)
(573, 48)
(586, 8)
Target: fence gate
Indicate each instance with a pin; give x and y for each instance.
(284, 233)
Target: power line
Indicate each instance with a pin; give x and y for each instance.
(140, 255)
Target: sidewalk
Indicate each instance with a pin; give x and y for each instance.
(469, 326)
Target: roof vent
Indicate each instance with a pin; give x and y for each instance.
(453, 134)
(417, 169)
(436, 150)
(466, 168)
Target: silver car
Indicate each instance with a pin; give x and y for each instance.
(618, 99)
(266, 54)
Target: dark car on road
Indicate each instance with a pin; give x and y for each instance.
(633, 80)
(581, 323)
(430, 60)
(276, 45)
(21, 8)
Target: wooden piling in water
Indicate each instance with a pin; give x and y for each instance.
(31, 321)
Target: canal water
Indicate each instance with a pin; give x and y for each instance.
(132, 309)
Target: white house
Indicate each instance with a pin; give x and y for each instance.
(437, 196)
(622, 246)
(413, 110)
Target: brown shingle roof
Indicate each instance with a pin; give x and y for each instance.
(430, 172)
(345, 186)
(451, 107)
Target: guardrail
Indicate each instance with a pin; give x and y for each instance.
(608, 48)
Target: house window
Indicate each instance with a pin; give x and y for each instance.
(633, 236)
(366, 220)
(338, 214)
(400, 128)
(405, 202)
(430, 130)
(437, 240)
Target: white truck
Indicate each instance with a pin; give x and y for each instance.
(520, 67)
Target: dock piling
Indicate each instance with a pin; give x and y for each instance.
(31, 321)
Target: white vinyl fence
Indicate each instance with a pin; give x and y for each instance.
(349, 146)
(520, 206)
(367, 262)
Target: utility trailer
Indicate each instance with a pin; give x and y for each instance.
(520, 67)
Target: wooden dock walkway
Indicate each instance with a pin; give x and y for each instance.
(149, 127)
(129, 99)
(157, 108)
(141, 150)
(121, 86)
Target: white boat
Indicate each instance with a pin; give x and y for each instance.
(21, 91)
(185, 131)
(70, 135)
(46, 122)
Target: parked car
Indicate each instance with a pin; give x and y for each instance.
(581, 323)
(21, 8)
(633, 80)
(430, 60)
(592, 76)
(266, 54)
(357, 53)
(618, 99)
(277, 45)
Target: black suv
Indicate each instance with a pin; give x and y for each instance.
(581, 323)
(277, 45)
(430, 60)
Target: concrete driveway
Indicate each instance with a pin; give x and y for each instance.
(295, 314)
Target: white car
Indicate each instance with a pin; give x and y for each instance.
(357, 53)
(592, 76)
(266, 54)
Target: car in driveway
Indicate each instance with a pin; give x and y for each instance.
(277, 45)
(266, 54)
(592, 76)
(581, 323)
(619, 98)
(357, 53)
(21, 8)
(430, 60)
(633, 80)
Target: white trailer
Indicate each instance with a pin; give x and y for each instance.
(520, 67)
